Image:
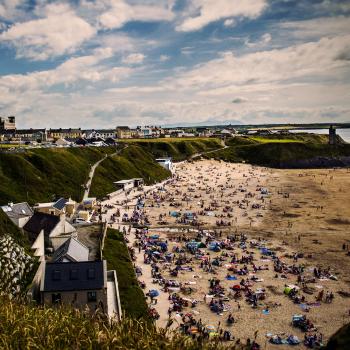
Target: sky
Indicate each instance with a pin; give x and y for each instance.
(103, 63)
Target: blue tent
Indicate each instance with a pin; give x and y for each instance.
(266, 251)
(214, 246)
(153, 293)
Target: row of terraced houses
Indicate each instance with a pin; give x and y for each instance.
(9, 132)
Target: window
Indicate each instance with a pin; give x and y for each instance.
(92, 297)
(73, 275)
(56, 275)
(56, 298)
(91, 274)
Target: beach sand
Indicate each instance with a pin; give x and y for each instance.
(304, 211)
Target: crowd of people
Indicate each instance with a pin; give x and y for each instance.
(203, 244)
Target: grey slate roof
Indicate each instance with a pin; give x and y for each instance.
(40, 221)
(73, 276)
(17, 210)
(72, 250)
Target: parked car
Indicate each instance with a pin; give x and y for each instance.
(81, 221)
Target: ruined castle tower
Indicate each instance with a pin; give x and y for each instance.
(332, 138)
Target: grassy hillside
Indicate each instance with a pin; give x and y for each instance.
(41, 174)
(283, 152)
(134, 161)
(29, 327)
(177, 148)
(116, 253)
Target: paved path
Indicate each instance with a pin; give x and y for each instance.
(207, 152)
(91, 175)
(92, 171)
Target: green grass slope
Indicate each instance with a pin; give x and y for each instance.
(116, 253)
(280, 153)
(39, 175)
(133, 162)
(177, 148)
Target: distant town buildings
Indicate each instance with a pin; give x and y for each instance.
(124, 132)
(64, 133)
(71, 137)
(7, 123)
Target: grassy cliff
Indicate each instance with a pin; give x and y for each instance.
(41, 174)
(300, 150)
(133, 162)
(177, 148)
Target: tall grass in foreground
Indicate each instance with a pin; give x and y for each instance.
(30, 327)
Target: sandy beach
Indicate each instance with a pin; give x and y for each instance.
(300, 216)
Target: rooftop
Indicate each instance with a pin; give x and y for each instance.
(38, 222)
(60, 204)
(73, 276)
(72, 250)
(17, 210)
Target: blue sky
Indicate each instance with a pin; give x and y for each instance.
(139, 62)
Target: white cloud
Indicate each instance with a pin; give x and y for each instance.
(134, 58)
(204, 12)
(305, 60)
(263, 41)
(73, 70)
(60, 32)
(317, 28)
(229, 22)
(164, 58)
(120, 12)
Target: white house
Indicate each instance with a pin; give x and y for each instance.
(41, 228)
(128, 184)
(166, 163)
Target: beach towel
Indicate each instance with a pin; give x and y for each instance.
(266, 312)
(231, 278)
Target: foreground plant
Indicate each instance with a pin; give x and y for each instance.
(25, 326)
